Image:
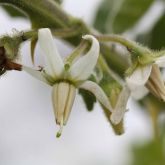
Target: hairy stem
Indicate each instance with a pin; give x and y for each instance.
(47, 13)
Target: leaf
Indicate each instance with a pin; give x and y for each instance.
(158, 34)
(89, 99)
(118, 16)
(130, 12)
(13, 12)
(155, 37)
(59, 1)
(151, 153)
(102, 15)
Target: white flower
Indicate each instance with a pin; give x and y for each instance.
(65, 81)
(147, 77)
(120, 107)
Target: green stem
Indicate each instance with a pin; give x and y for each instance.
(42, 11)
(77, 52)
(107, 69)
(62, 33)
(130, 45)
(47, 13)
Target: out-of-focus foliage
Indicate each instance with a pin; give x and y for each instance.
(155, 37)
(157, 34)
(118, 16)
(13, 12)
(102, 16)
(89, 99)
(150, 153)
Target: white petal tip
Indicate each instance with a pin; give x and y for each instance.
(139, 76)
(88, 37)
(44, 30)
(98, 92)
(54, 64)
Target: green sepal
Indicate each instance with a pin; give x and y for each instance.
(11, 45)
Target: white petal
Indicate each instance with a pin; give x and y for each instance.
(98, 92)
(139, 92)
(139, 76)
(54, 63)
(83, 68)
(36, 74)
(160, 61)
(120, 108)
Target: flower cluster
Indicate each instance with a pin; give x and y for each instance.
(66, 80)
(68, 75)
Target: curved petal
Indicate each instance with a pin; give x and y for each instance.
(120, 108)
(98, 92)
(139, 92)
(36, 74)
(53, 61)
(139, 76)
(83, 68)
(160, 61)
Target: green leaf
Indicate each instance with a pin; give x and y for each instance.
(13, 12)
(130, 12)
(89, 99)
(118, 16)
(158, 34)
(151, 153)
(102, 15)
(155, 37)
(59, 1)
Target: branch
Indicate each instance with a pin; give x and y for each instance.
(47, 13)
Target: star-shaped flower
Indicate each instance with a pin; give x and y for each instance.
(150, 77)
(66, 80)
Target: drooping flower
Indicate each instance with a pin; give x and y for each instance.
(121, 106)
(65, 80)
(148, 77)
